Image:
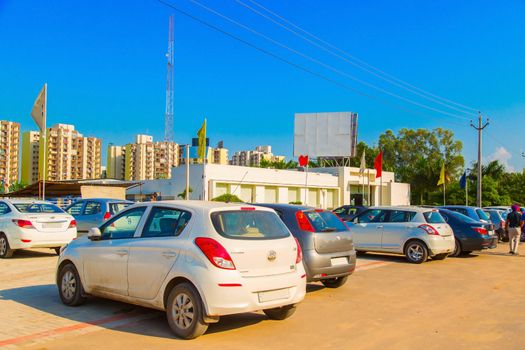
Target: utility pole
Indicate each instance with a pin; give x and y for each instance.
(168, 119)
(479, 128)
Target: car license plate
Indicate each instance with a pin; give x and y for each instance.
(339, 261)
(53, 225)
(272, 295)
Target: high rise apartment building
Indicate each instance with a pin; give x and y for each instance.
(142, 160)
(254, 158)
(9, 150)
(218, 155)
(70, 155)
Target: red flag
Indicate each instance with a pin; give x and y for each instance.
(378, 164)
(303, 160)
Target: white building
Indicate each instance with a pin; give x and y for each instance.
(321, 187)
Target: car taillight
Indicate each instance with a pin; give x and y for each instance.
(303, 222)
(215, 253)
(502, 224)
(107, 215)
(481, 230)
(23, 223)
(299, 252)
(73, 224)
(429, 229)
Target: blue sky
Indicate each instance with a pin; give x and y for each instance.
(104, 62)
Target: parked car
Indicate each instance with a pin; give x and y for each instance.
(504, 208)
(33, 224)
(349, 212)
(474, 213)
(498, 218)
(417, 233)
(326, 242)
(196, 260)
(470, 234)
(94, 211)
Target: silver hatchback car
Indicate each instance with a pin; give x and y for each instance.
(94, 211)
(417, 233)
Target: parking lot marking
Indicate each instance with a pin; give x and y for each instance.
(74, 327)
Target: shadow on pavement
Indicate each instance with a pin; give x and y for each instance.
(382, 257)
(112, 314)
(25, 253)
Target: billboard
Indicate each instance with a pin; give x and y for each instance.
(325, 134)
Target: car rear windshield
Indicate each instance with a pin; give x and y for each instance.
(461, 217)
(482, 215)
(325, 221)
(249, 224)
(433, 217)
(114, 208)
(37, 208)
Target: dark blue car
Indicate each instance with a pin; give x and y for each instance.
(470, 234)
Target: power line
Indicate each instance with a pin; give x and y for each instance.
(301, 68)
(323, 64)
(358, 62)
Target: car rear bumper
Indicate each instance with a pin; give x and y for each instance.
(229, 293)
(480, 243)
(30, 238)
(440, 245)
(325, 266)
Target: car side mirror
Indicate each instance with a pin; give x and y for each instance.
(94, 234)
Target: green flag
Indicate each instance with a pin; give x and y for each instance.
(201, 151)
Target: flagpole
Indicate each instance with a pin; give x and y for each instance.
(466, 190)
(306, 185)
(381, 188)
(45, 144)
(368, 195)
(187, 196)
(444, 194)
(204, 178)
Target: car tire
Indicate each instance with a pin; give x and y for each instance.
(280, 313)
(185, 312)
(416, 252)
(69, 286)
(457, 249)
(440, 256)
(5, 250)
(334, 282)
(466, 252)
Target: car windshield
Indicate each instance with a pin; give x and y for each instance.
(482, 215)
(325, 221)
(460, 217)
(433, 217)
(249, 224)
(114, 208)
(37, 208)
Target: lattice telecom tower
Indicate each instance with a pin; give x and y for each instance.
(168, 119)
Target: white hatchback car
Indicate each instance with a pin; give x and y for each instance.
(416, 232)
(196, 260)
(26, 223)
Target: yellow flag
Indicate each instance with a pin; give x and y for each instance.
(38, 113)
(442, 175)
(201, 151)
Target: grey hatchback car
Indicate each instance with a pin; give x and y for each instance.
(326, 242)
(92, 212)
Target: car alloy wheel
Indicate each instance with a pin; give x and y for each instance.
(415, 252)
(183, 311)
(69, 285)
(3, 246)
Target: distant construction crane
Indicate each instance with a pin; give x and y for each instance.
(168, 119)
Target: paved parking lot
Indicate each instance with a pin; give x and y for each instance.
(469, 302)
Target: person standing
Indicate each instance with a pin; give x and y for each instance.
(514, 224)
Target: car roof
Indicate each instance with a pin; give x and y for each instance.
(200, 205)
(26, 200)
(103, 200)
(404, 207)
(459, 206)
(284, 206)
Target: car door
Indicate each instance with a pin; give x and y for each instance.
(106, 260)
(153, 254)
(367, 229)
(396, 229)
(92, 215)
(76, 210)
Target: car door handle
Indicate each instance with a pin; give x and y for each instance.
(169, 255)
(122, 252)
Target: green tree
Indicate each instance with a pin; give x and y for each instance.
(183, 193)
(227, 198)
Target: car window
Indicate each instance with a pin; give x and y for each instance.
(75, 209)
(123, 225)
(325, 221)
(458, 216)
(4, 208)
(164, 222)
(401, 216)
(340, 210)
(373, 215)
(482, 215)
(249, 224)
(115, 208)
(92, 208)
(433, 217)
(37, 208)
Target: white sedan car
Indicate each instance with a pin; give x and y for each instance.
(196, 260)
(33, 224)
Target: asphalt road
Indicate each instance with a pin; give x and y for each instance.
(472, 302)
